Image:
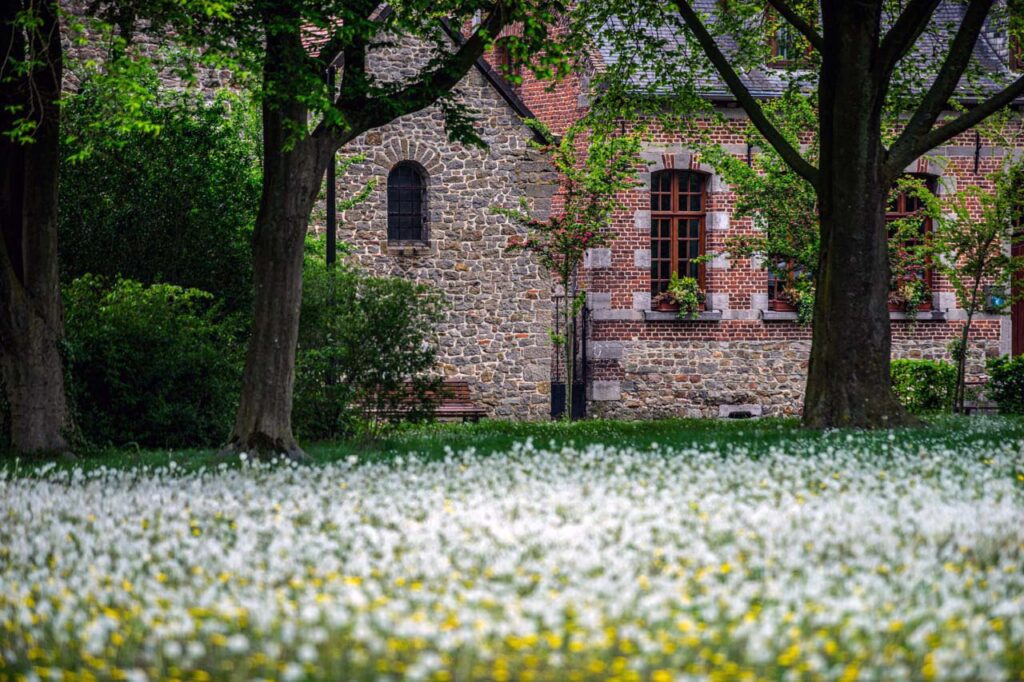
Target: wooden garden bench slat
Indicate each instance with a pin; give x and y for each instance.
(453, 402)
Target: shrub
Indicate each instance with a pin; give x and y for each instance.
(155, 365)
(1006, 383)
(175, 206)
(366, 344)
(923, 385)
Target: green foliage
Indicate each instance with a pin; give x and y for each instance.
(971, 247)
(592, 182)
(174, 207)
(153, 365)
(1006, 383)
(595, 167)
(367, 349)
(923, 385)
(778, 200)
(686, 293)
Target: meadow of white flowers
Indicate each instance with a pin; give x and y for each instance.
(855, 559)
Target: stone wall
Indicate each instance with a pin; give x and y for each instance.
(495, 334)
(710, 378)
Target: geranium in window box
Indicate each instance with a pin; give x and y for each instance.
(782, 305)
(910, 296)
(664, 303)
(684, 296)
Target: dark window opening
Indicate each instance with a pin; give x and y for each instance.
(407, 204)
(678, 201)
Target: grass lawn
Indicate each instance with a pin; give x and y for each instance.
(676, 549)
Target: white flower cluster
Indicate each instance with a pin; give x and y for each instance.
(835, 558)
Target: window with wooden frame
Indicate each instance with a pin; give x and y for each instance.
(407, 203)
(1014, 29)
(678, 203)
(907, 205)
(786, 45)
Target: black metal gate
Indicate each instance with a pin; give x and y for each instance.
(579, 331)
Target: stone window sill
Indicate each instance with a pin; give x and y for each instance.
(706, 316)
(778, 316)
(923, 316)
(395, 248)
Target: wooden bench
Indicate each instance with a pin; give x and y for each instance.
(451, 401)
(456, 403)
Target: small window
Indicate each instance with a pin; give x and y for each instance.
(677, 227)
(407, 203)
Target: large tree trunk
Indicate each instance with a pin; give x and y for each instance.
(31, 315)
(293, 168)
(848, 382)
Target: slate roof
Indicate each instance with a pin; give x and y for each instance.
(766, 82)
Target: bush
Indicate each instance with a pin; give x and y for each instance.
(154, 365)
(376, 337)
(924, 385)
(175, 206)
(1006, 383)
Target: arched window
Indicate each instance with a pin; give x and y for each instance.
(407, 205)
(677, 226)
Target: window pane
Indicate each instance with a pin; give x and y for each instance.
(694, 202)
(694, 249)
(694, 229)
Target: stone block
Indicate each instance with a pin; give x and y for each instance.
(642, 259)
(642, 220)
(605, 390)
(720, 262)
(597, 258)
(759, 301)
(944, 300)
(598, 300)
(605, 350)
(727, 411)
(718, 220)
(717, 301)
(641, 300)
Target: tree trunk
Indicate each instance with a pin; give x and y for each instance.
(848, 382)
(293, 168)
(31, 315)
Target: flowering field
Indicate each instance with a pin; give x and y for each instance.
(842, 557)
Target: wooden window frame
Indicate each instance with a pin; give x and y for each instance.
(901, 211)
(394, 214)
(773, 45)
(675, 215)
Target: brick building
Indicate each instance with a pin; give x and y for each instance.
(746, 352)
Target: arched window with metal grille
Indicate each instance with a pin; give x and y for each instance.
(407, 203)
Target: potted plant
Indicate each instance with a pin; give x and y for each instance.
(909, 296)
(664, 303)
(686, 293)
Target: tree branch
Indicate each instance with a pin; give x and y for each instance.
(797, 22)
(937, 98)
(966, 121)
(905, 32)
(428, 87)
(757, 116)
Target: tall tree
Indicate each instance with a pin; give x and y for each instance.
(866, 63)
(307, 118)
(31, 317)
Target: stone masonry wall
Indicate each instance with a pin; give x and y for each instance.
(495, 334)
